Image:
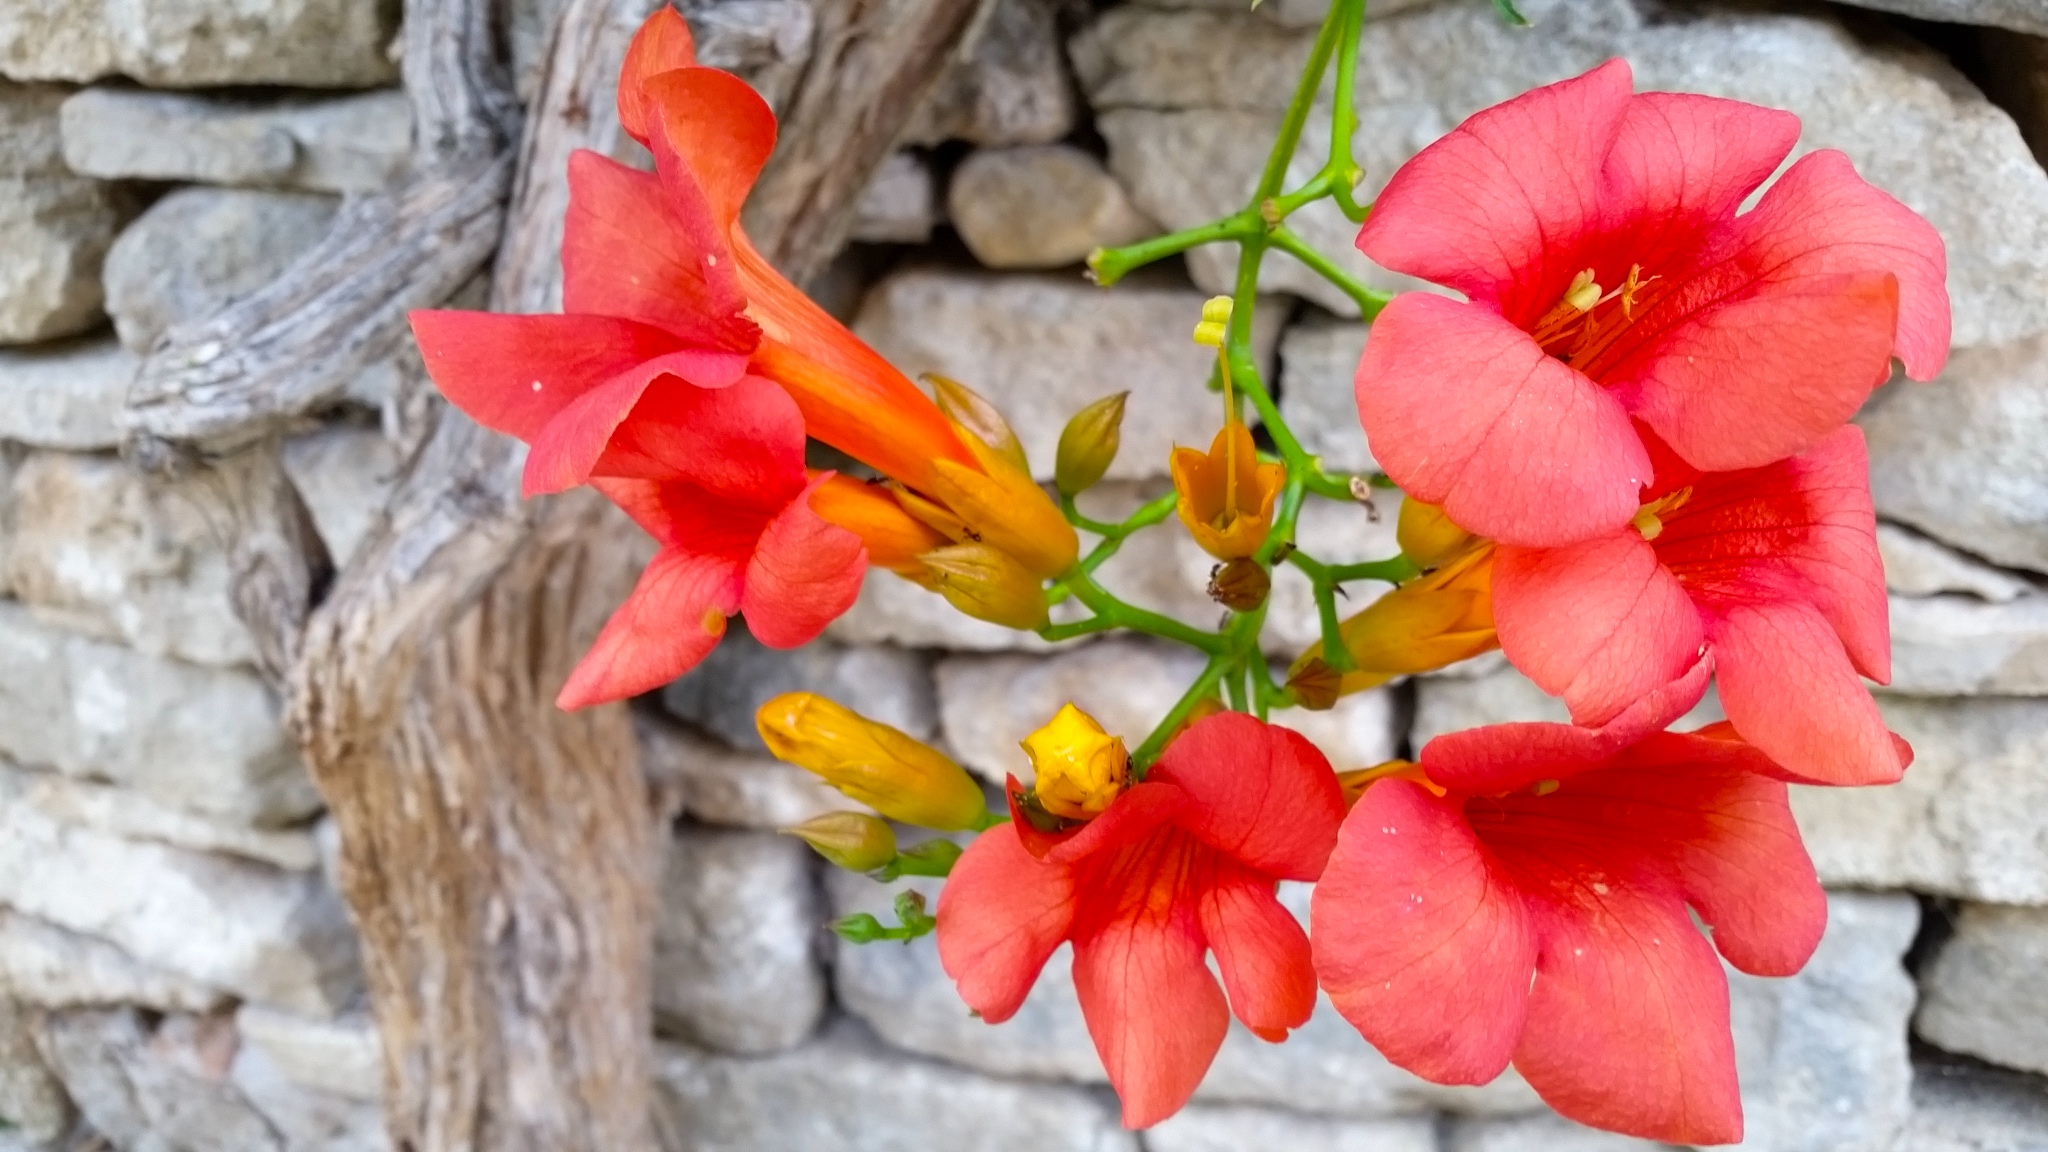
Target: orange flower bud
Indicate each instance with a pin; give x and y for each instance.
(894, 538)
(887, 770)
(1427, 536)
(1001, 506)
(1226, 494)
(1433, 620)
(988, 584)
(854, 841)
(971, 413)
(1081, 768)
(1089, 443)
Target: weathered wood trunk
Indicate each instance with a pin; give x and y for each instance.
(498, 854)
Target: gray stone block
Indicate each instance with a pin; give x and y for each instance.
(65, 395)
(1986, 992)
(192, 43)
(353, 143)
(722, 694)
(714, 784)
(1042, 206)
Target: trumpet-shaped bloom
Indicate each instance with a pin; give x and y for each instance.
(1772, 570)
(1533, 904)
(1608, 276)
(1180, 865)
(1226, 494)
(717, 477)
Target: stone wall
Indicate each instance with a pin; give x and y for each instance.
(176, 971)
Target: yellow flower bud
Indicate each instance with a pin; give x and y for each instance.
(1427, 536)
(1001, 506)
(887, 770)
(854, 841)
(1081, 769)
(1433, 620)
(971, 413)
(1089, 443)
(988, 584)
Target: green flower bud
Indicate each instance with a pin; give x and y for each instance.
(1089, 443)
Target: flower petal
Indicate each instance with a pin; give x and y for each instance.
(1788, 686)
(1466, 411)
(673, 619)
(570, 446)
(1601, 623)
(713, 131)
(743, 445)
(629, 249)
(1418, 944)
(1260, 949)
(513, 374)
(1260, 793)
(1680, 167)
(804, 574)
(662, 44)
(1500, 208)
(1001, 915)
(1152, 1006)
(1837, 554)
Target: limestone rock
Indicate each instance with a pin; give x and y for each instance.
(340, 1057)
(1964, 821)
(198, 250)
(900, 205)
(1040, 206)
(344, 474)
(1961, 646)
(1180, 96)
(1324, 1068)
(892, 610)
(101, 549)
(1965, 460)
(722, 694)
(354, 143)
(1208, 1128)
(1986, 992)
(1041, 347)
(1971, 1109)
(31, 1099)
(28, 122)
(52, 967)
(716, 785)
(1540, 1132)
(735, 962)
(65, 395)
(1011, 90)
(54, 234)
(267, 935)
(159, 1085)
(306, 1119)
(190, 43)
(1822, 1055)
(1915, 565)
(206, 739)
(1318, 361)
(2018, 15)
(120, 812)
(1289, 13)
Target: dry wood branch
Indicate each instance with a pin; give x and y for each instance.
(276, 559)
(874, 62)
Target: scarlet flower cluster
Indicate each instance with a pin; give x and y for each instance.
(1627, 463)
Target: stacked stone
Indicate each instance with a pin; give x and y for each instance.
(1922, 1023)
(176, 969)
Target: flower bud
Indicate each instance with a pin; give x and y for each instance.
(1427, 536)
(988, 584)
(1000, 505)
(1433, 620)
(1081, 768)
(854, 841)
(1240, 585)
(971, 413)
(1226, 494)
(1089, 443)
(900, 777)
(894, 538)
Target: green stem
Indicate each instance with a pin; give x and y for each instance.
(1298, 108)
(1121, 615)
(1203, 688)
(1369, 300)
(1336, 653)
(1110, 265)
(1343, 171)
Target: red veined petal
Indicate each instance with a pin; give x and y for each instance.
(1788, 686)
(1001, 915)
(1258, 792)
(1502, 207)
(1680, 166)
(1260, 949)
(804, 574)
(1417, 942)
(513, 374)
(674, 618)
(742, 445)
(1601, 623)
(713, 131)
(1837, 553)
(1154, 1010)
(571, 446)
(662, 44)
(1464, 410)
